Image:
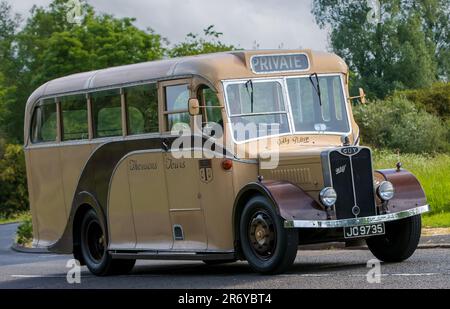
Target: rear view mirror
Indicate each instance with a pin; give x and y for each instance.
(193, 107)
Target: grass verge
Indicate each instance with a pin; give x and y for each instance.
(24, 234)
(22, 216)
(433, 172)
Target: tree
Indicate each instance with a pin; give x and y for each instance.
(49, 46)
(195, 44)
(408, 48)
(101, 42)
(13, 181)
(9, 24)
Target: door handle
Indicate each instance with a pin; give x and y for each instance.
(165, 144)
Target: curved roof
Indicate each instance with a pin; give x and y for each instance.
(214, 67)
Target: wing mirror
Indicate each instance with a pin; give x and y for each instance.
(193, 107)
(361, 97)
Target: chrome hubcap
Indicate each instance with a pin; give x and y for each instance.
(262, 234)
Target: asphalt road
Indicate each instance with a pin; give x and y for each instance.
(427, 268)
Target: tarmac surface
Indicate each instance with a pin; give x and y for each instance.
(336, 268)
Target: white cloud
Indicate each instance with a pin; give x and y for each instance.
(268, 22)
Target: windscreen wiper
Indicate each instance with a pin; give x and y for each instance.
(250, 82)
(316, 86)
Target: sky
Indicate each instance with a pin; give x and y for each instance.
(269, 23)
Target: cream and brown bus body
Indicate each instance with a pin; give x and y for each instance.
(100, 162)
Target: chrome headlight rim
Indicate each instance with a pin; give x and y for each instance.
(328, 196)
(385, 190)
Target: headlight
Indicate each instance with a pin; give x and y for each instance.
(328, 196)
(385, 191)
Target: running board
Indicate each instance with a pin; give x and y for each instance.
(165, 255)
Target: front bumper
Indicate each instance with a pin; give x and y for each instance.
(356, 221)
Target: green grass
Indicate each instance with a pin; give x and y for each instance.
(433, 172)
(437, 220)
(15, 218)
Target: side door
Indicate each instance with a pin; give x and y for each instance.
(182, 173)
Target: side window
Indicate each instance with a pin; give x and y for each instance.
(43, 126)
(142, 109)
(208, 98)
(176, 98)
(74, 118)
(107, 113)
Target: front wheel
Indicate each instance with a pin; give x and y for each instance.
(268, 247)
(399, 242)
(93, 249)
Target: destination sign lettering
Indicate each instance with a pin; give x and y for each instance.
(279, 63)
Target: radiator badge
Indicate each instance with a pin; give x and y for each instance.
(341, 169)
(349, 150)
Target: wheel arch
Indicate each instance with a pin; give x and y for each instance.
(408, 190)
(289, 200)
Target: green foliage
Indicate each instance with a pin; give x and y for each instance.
(409, 48)
(432, 171)
(48, 46)
(435, 99)
(195, 44)
(13, 183)
(397, 123)
(100, 42)
(24, 235)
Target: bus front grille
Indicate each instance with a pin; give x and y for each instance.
(350, 174)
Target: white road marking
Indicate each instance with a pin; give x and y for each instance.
(37, 276)
(45, 276)
(424, 274)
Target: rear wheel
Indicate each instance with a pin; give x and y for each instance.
(399, 242)
(93, 249)
(268, 247)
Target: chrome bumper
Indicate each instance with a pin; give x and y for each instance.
(356, 221)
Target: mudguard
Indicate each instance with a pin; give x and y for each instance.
(408, 191)
(291, 202)
(65, 244)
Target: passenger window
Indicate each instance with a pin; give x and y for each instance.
(74, 118)
(44, 122)
(107, 113)
(176, 105)
(211, 113)
(142, 109)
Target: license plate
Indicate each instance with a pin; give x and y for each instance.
(364, 230)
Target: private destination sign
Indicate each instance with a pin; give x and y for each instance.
(279, 63)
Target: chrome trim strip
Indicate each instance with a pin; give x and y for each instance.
(356, 221)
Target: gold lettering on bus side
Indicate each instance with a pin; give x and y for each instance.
(137, 166)
(295, 140)
(172, 164)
